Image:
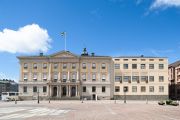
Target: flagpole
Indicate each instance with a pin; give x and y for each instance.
(65, 40)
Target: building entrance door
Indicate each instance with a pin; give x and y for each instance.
(54, 91)
(64, 91)
(73, 91)
(94, 96)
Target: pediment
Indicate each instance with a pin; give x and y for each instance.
(63, 54)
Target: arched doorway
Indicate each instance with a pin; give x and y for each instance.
(64, 91)
(73, 91)
(54, 91)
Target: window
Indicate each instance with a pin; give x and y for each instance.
(35, 66)
(84, 77)
(44, 89)
(134, 88)
(151, 78)
(143, 59)
(25, 76)
(34, 88)
(25, 89)
(143, 66)
(103, 77)
(117, 89)
(45, 76)
(116, 66)
(125, 66)
(55, 65)
(144, 78)
(73, 77)
(135, 78)
(64, 77)
(134, 66)
(125, 88)
(143, 89)
(44, 65)
(151, 66)
(93, 88)
(125, 59)
(117, 59)
(55, 77)
(118, 78)
(93, 77)
(73, 66)
(161, 66)
(25, 66)
(35, 76)
(103, 66)
(161, 59)
(103, 89)
(151, 88)
(161, 88)
(93, 65)
(64, 66)
(161, 78)
(84, 88)
(134, 59)
(151, 59)
(126, 78)
(84, 65)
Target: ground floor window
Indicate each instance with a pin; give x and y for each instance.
(117, 89)
(151, 88)
(143, 89)
(103, 89)
(161, 88)
(84, 88)
(25, 89)
(134, 88)
(44, 89)
(125, 89)
(34, 88)
(93, 88)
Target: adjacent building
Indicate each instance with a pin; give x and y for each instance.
(65, 75)
(140, 77)
(174, 80)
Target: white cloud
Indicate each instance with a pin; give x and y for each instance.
(165, 3)
(27, 39)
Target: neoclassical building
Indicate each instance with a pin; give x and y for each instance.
(64, 75)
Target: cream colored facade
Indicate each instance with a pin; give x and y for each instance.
(65, 76)
(143, 77)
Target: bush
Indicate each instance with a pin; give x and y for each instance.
(174, 103)
(168, 102)
(161, 103)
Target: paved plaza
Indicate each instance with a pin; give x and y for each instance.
(88, 110)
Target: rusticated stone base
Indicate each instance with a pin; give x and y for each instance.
(141, 97)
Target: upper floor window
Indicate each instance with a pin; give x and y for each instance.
(161, 78)
(125, 59)
(93, 65)
(151, 78)
(93, 77)
(35, 66)
(118, 78)
(84, 77)
(126, 78)
(44, 76)
(55, 65)
(143, 66)
(25, 66)
(55, 76)
(84, 65)
(151, 66)
(64, 77)
(25, 89)
(44, 65)
(25, 76)
(134, 66)
(161, 66)
(117, 66)
(73, 76)
(161, 88)
(73, 66)
(144, 78)
(135, 78)
(161, 59)
(125, 66)
(35, 76)
(103, 66)
(64, 66)
(103, 77)
(151, 59)
(134, 59)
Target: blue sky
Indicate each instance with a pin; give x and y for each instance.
(106, 27)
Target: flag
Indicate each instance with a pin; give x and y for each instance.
(63, 33)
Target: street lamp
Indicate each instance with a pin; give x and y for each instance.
(38, 96)
(125, 90)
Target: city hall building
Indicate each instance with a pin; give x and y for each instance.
(65, 75)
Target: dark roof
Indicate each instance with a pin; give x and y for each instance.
(175, 64)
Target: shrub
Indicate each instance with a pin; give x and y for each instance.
(161, 103)
(174, 103)
(168, 102)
